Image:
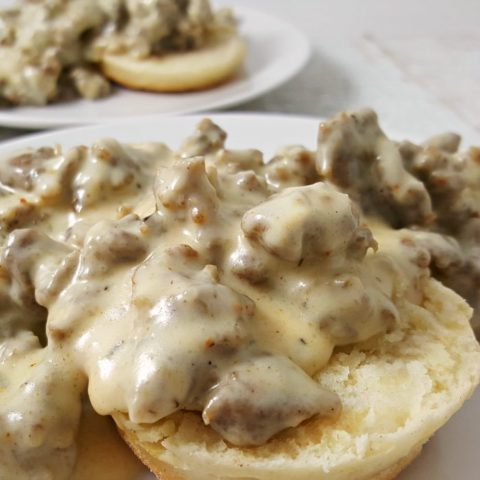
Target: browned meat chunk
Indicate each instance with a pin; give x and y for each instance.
(258, 398)
(308, 222)
(291, 167)
(110, 243)
(355, 154)
(207, 138)
(106, 169)
(22, 170)
(38, 266)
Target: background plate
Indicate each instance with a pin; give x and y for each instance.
(276, 52)
(453, 452)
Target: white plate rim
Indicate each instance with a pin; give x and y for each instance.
(112, 129)
(42, 117)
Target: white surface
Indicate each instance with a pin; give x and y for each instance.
(276, 52)
(453, 452)
(415, 62)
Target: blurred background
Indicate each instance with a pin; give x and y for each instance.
(416, 62)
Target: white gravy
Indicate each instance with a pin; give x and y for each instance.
(153, 281)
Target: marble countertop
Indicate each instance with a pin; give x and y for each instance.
(416, 63)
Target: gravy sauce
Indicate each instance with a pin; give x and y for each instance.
(204, 279)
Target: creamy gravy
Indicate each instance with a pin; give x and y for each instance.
(204, 280)
(50, 49)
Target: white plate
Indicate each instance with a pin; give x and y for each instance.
(276, 52)
(452, 454)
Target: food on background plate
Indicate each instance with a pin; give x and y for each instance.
(238, 319)
(52, 50)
